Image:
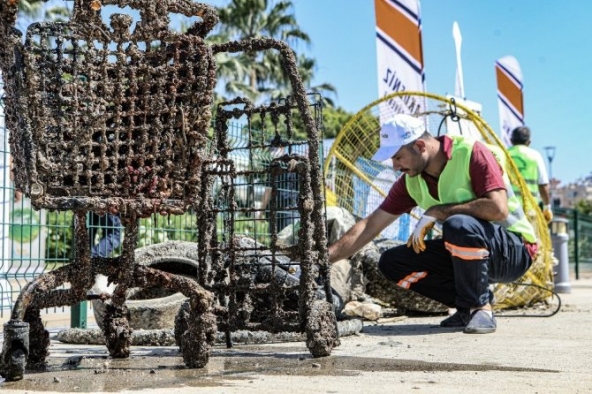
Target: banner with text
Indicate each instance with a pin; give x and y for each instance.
(400, 68)
(399, 54)
(509, 95)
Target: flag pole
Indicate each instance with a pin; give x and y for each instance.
(459, 89)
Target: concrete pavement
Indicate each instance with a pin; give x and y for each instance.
(526, 355)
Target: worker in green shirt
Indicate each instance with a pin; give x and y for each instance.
(531, 165)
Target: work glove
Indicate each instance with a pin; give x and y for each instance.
(548, 213)
(424, 225)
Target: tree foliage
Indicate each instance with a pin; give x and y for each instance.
(246, 19)
(35, 10)
(259, 75)
(584, 206)
(333, 120)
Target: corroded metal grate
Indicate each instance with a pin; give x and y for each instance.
(255, 255)
(111, 111)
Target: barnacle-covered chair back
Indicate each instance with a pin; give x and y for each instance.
(109, 116)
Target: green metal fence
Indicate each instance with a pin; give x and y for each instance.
(580, 239)
(40, 241)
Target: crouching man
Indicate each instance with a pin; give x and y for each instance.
(486, 237)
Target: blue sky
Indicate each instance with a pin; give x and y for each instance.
(551, 43)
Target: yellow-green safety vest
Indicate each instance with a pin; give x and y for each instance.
(454, 186)
(526, 161)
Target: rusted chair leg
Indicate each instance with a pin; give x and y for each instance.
(25, 339)
(195, 330)
(38, 340)
(195, 324)
(117, 330)
(15, 350)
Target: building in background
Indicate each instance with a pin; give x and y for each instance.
(569, 195)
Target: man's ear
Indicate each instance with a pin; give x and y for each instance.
(421, 145)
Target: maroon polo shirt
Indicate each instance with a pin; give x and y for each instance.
(485, 172)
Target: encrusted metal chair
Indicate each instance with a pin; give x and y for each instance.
(114, 118)
(261, 280)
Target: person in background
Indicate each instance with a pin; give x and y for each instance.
(286, 198)
(460, 184)
(531, 165)
(110, 226)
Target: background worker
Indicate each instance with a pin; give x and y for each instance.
(531, 165)
(110, 227)
(459, 183)
(285, 203)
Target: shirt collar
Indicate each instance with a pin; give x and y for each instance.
(446, 142)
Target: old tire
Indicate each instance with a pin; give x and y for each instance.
(154, 309)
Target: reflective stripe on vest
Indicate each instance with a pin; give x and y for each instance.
(454, 186)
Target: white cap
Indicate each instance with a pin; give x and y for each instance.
(399, 130)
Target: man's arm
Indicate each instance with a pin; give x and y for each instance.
(493, 206)
(360, 234)
(543, 180)
(544, 189)
(545, 196)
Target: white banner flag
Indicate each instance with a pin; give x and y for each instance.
(509, 94)
(399, 54)
(400, 68)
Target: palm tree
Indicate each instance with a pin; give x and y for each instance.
(34, 10)
(307, 67)
(29, 10)
(57, 13)
(232, 69)
(244, 19)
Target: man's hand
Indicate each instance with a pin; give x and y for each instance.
(424, 225)
(548, 213)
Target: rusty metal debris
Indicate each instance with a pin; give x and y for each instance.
(110, 118)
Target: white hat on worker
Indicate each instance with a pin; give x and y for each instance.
(396, 132)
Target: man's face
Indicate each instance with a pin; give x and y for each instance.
(409, 160)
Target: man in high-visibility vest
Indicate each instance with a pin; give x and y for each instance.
(531, 165)
(486, 237)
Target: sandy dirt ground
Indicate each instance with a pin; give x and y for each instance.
(525, 355)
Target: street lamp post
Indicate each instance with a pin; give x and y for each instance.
(550, 150)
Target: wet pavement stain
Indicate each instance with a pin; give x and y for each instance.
(93, 373)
